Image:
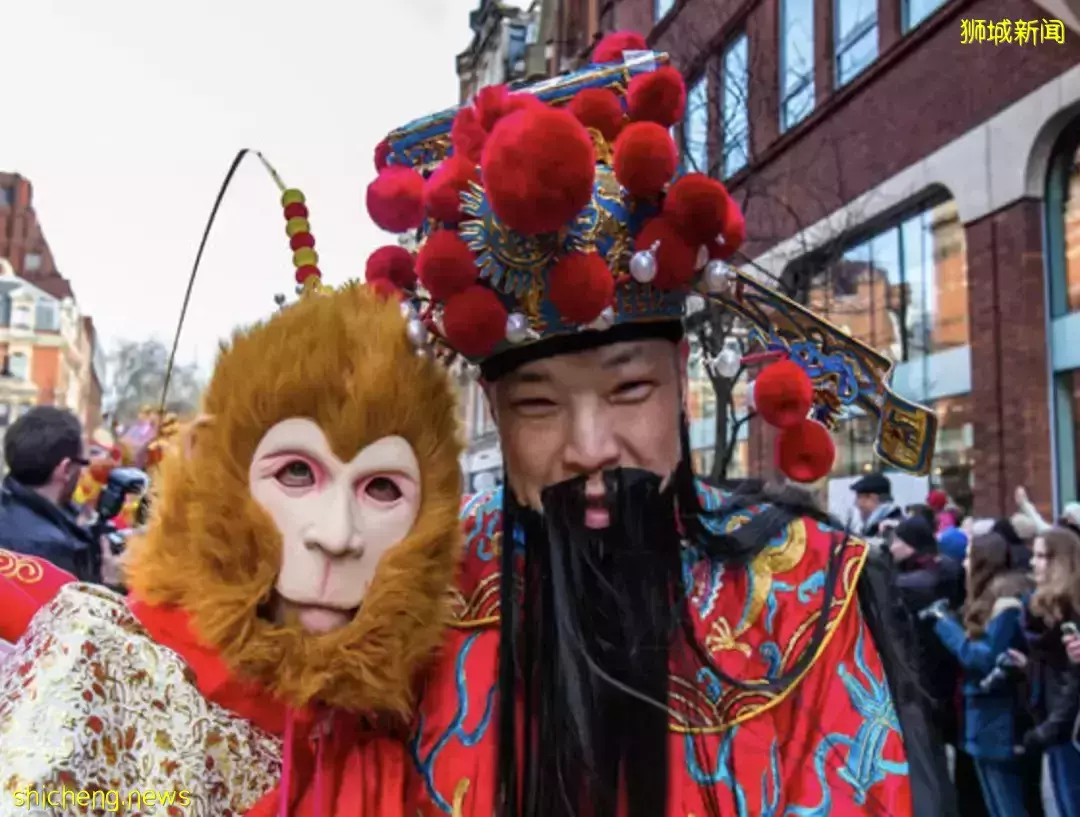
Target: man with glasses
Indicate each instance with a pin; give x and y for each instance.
(45, 456)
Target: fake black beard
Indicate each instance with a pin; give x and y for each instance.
(588, 627)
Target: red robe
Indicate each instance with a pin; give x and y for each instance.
(142, 705)
(827, 746)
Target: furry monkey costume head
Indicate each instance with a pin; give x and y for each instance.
(309, 527)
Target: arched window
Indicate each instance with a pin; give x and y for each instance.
(1063, 284)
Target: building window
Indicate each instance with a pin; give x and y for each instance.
(6, 197)
(19, 366)
(796, 61)
(903, 291)
(696, 128)
(735, 107)
(47, 316)
(661, 8)
(33, 262)
(915, 11)
(856, 37)
(22, 316)
(1063, 270)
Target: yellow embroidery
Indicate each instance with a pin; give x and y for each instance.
(20, 568)
(768, 563)
(721, 638)
(457, 809)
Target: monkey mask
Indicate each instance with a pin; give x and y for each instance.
(307, 530)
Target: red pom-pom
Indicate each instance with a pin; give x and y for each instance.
(386, 288)
(734, 231)
(295, 210)
(805, 452)
(521, 102)
(675, 258)
(490, 105)
(581, 286)
(395, 200)
(391, 263)
(444, 188)
(302, 240)
(446, 265)
(645, 159)
(467, 136)
(474, 321)
(598, 108)
(658, 97)
(538, 170)
(610, 49)
(698, 206)
(783, 394)
(303, 273)
(382, 155)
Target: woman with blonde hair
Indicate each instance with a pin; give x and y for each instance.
(1052, 614)
(981, 643)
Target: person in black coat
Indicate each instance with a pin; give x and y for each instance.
(875, 507)
(43, 450)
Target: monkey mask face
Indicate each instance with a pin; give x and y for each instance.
(310, 527)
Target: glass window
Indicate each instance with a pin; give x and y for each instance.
(1063, 196)
(734, 106)
(19, 365)
(796, 61)
(856, 37)
(22, 317)
(915, 11)
(47, 317)
(33, 262)
(696, 128)
(904, 290)
(6, 197)
(662, 7)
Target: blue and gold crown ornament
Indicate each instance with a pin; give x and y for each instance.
(545, 215)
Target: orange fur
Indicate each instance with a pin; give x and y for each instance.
(343, 360)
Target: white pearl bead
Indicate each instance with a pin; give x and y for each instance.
(299, 289)
(718, 277)
(407, 310)
(604, 321)
(643, 266)
(417, 332)
(517, 328)
(727, 363)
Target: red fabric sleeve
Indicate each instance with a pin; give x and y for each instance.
(26, 585)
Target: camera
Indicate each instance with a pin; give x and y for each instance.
(122, 483)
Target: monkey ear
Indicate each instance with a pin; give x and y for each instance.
(190, 436)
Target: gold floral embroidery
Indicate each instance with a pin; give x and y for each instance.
(88, 700)
(20, 568)
(721, 638)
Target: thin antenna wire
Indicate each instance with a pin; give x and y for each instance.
(198, 258)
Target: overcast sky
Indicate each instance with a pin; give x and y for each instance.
(125, 115)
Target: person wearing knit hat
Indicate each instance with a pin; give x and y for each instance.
(622, 639)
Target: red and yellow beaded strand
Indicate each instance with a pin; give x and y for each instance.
(302, 242)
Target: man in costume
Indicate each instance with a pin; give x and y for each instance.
(628, 641)
(292, 580)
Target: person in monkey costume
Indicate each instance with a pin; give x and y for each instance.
(292, 580)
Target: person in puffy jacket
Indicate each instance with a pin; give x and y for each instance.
(991, 627)
(1051, 616)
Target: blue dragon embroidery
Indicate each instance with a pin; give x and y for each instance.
(866, 765)
(455, 731)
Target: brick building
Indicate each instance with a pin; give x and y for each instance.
(921, 191)
(50, 350)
